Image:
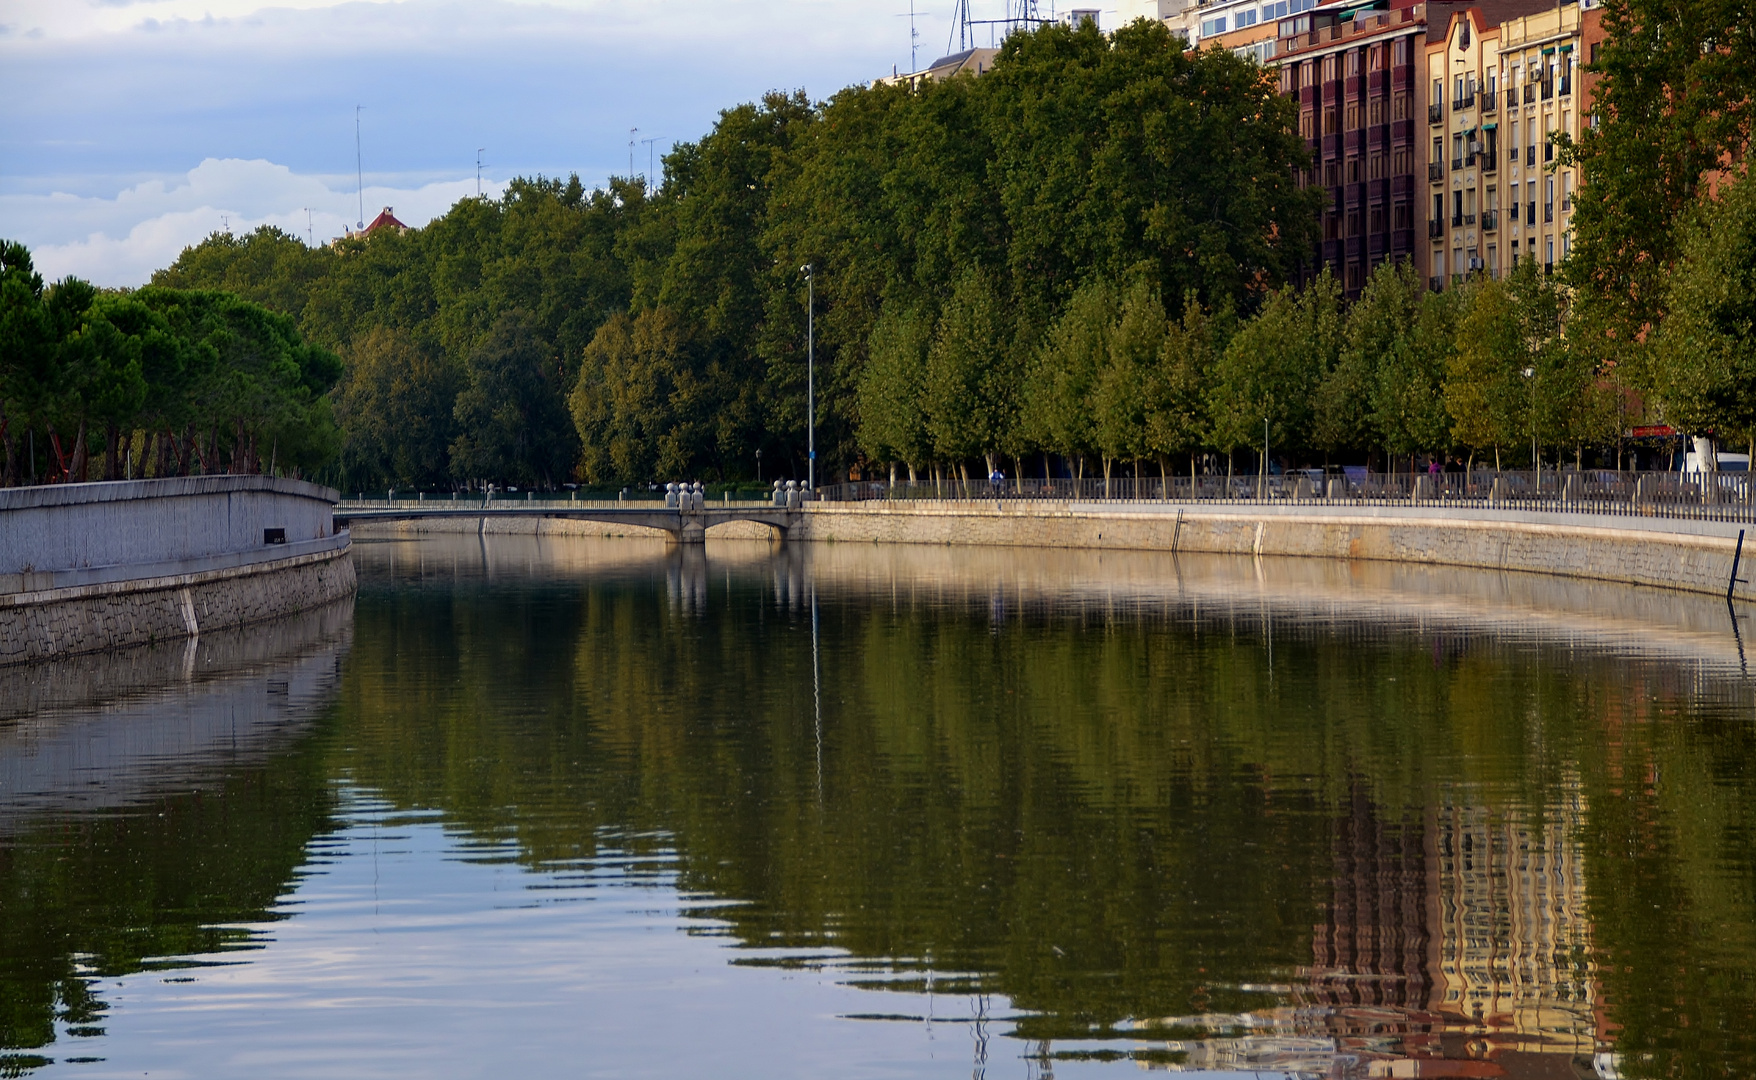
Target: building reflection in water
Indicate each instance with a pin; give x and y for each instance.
(1458, 945)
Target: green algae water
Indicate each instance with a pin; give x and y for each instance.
(542, 807)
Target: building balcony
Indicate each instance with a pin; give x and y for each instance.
(1529, 93)
(1435, 171)
(1456, 164)
(1490, 100)
(1566, 86)
(1436, 113)
(1530, 213)
(1435, 283)
(1490, 162)
(1457, 221)
(1490, 220)
(1435, 229)
(1469, 219)
(1548, 213)
(1530, 155)
(1548, 89)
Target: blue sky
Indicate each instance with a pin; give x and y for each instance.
(132, 128)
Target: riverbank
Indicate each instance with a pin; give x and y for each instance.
(1691, 555)
(88, 568)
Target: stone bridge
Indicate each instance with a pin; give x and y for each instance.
(684, 526)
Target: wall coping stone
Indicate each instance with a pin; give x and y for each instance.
(102, 491)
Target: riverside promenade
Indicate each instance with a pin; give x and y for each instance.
(1652, 529)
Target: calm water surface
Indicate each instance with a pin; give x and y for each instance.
(592, 808)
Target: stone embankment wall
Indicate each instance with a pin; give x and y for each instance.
(1671, 553)
(93, 567)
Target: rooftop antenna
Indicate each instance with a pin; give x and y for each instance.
(649, 159)
(359, 168)
(914, 38)
(310, 231)
(226, 223)
(633, 135)
(479, 150)
(961, 28)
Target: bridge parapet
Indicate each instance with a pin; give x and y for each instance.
(683, 526)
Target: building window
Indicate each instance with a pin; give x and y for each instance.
(1332, 227)
(1402, 161)
(1402, 216)
(1212, 27)
(1375, 111)
(1399, 107)
(1353, 61)
(1353, 117)
(1329, 68)
(1244, 18)
(1399, 51)
(1353, 170)
(1375, 167)
(1375, 219)
(1353, 223)
(1329, 176)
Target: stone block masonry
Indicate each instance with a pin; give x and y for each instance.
(115, 615)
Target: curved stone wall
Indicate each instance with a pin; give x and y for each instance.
(93, 567)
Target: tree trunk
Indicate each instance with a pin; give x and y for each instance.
(112, 452)
(9, 442)
(81, 456)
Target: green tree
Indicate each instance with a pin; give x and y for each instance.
(1675, 101)
(1121, 398)
(1271, 369)
(1064, 380)
(1512, 380)
(892, 424)
(970, 394)
(512, 426)
(1705, 351)
(395, 407)
(640, 402)
(1176, 391)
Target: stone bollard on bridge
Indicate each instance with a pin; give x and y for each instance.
(780, 495)
(671, 502)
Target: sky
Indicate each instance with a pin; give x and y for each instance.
(130, 129)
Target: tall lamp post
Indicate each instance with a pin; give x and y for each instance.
(810, 376)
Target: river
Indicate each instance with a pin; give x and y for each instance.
(573, 807)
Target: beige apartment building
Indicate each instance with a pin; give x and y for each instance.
(1496, 191)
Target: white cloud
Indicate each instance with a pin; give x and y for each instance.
(120, 241)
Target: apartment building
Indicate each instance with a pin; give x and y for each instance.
(1495, 80)
(1513, 87)
(1352, 69)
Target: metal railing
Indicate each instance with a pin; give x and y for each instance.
(1725, 496)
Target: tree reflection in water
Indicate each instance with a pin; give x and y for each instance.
(1311, 817)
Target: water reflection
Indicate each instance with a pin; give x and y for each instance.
(1191, 812)
(151, 801)
(1032, 813)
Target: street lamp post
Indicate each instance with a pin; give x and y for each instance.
(810, 376)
